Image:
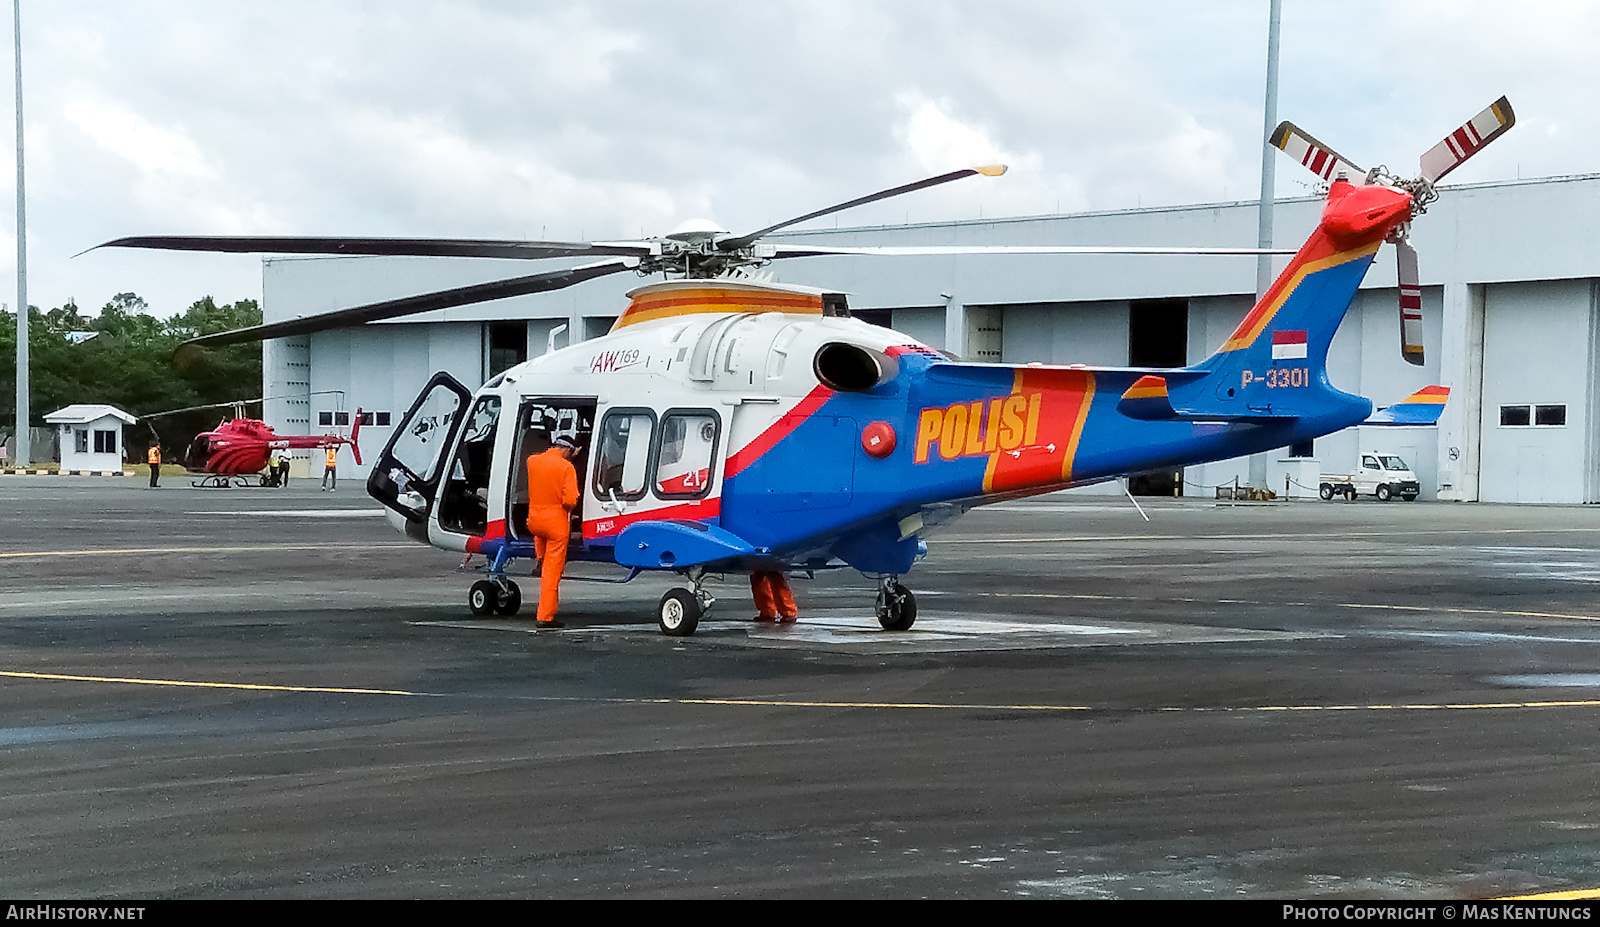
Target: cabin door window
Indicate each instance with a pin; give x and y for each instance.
(622, 454)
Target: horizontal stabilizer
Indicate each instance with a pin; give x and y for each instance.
(1422, 407)
(677, 544)
(1147, 401)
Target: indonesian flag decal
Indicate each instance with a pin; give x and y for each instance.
(1288, 345)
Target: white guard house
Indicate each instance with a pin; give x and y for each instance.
(1510, 302)
(91, 436)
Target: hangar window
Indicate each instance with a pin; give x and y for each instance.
(1519, 416)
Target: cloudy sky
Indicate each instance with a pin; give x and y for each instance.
(605, 120)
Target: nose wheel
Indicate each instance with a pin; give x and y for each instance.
(494, 597)
(896, 606)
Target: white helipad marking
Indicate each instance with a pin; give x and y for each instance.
(849, 631)
(302, 513)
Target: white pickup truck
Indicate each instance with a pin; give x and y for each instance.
(1381, 475)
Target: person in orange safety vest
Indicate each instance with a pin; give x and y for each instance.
(330, 478)
(552, 493)
(153, 458)
(774, 601)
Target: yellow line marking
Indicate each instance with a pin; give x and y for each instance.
(1581, 894)
(92, 552)
(126, 680)
(809, 703)
(787, 703)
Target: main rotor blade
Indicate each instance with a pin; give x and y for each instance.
(988, 170)
(418, 247)
(1316, 157)
(1405, 259)
(1468, 140)
(410, 305)
(788, 251)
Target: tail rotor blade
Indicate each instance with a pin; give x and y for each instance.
(1313, 155)
(1410, 303)
(1468, 140)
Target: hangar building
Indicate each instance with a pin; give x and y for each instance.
(1511, 306)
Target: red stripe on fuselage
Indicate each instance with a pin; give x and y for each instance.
(691, 511)
(777, 431)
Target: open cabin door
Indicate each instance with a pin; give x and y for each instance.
(540, 421)
(405, 477)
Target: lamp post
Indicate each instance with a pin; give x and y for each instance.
(24, 442)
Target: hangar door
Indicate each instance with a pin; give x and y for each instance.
(1539, 360)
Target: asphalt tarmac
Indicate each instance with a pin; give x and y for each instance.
(259, 693)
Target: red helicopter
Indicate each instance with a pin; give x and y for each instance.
(237, 449)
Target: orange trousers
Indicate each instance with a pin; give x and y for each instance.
(550, 526)
(772, 595)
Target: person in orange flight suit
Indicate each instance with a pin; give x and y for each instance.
(330, 476)
(774, 601)
(552, 492)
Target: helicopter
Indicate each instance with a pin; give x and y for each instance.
(235, 453)
(728, 423)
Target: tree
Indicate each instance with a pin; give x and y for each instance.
(130, 363)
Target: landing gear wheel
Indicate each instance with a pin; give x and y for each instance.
(483, 597)
(1383, 492)
(896, 607)
(679, 613)
(510, 599)
(1326, 492)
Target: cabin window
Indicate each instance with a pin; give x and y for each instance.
(80, 440)
(688, 450)
(622, 454)
(105, 442)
